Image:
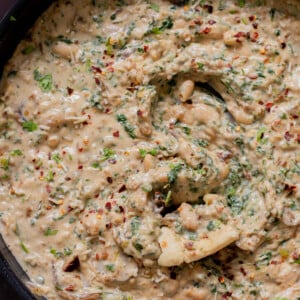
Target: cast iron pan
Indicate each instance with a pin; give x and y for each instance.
(19, 16)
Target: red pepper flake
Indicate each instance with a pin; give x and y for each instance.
(116, 134)
(255, 25)
(226, 295)
(96, 69)
(108, 205)
(212, 22)
(288, 136)
(85, 123)
(97, 80)
(70, 91)
(269, 106)
(290, 188)
(97, 256)
(139, 113)
(146, 48)
(70, 288)
(221, 279)
(68, 178)
(107, 110)
(198, 22)
(80, 167)
(108, 225)
(240, 34)
(283, 45)
(122, 188)
(109, 180)
(80, 149)
(122, 210)
(243, 271)
(254, 36)
(209, 8)
(298, 137)
(206, 30)
(252, 18)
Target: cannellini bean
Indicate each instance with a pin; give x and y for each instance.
(148, 162)
(172, 248)
(215, 241)
(65, 50)
(186, 90)
(53, 141)
(188, 216)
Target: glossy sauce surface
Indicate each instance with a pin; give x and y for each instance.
(150, 150)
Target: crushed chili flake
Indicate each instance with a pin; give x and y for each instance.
(283, 45)
(96, 69)
(97, 80)
(109, 180)
(206, 30)
(122, 188)
(80, 167)
(212, 22)
(70, 91)
(269, 106)
(108, 225)
(288, 136)
(116, 134)
(108, 205)
(243, 271)
(209, 8)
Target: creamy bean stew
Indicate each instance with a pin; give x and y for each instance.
(151, 150)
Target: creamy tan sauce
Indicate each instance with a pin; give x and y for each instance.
(150, 150)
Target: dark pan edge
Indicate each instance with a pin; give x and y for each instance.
(25, 13)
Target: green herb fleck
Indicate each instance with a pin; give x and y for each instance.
(272, 13)
(56, 157)
(152, 152)
(50, 176)
(45, 81)
(107, 153)
(67, 251)
(135, 225)
(4, 163)
(128, 127)
(29, 126)
(260, 136)
(213, 225)
(49, 232)
(139, 247)
(24, 248)
(28, 50)
(110, 267)
(200, 66)
(16, 152)
(154, 6)
(172, 175)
